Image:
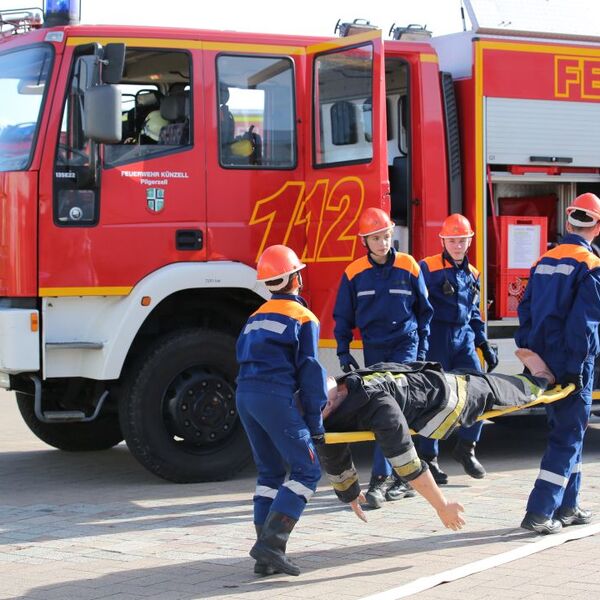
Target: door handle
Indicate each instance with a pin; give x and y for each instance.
(189, 239)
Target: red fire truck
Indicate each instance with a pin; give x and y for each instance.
(152, 169)
(143, 170)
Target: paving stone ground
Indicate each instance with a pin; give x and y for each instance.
(87, 526)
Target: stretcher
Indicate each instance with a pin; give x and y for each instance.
(556, 393)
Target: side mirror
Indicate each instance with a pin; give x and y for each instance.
(114, 57)
(102, 114)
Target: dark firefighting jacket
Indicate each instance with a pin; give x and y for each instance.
(391, 399)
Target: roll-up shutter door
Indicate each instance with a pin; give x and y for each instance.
(547, 130)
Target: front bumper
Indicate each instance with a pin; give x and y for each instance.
(19, 342)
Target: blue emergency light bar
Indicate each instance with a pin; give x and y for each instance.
(62, 12)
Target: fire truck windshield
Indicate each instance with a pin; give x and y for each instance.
(23, 78)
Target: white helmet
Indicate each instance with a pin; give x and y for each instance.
(153, 123)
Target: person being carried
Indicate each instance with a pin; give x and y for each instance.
(391, 399)
(384, 295)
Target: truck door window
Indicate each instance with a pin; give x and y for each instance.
(23, 76)
(368, 120)
(156, 106)
(398, 146)
(256, 112)
(343, 83)
(75, 168)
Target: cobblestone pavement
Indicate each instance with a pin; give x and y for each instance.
(86, 526)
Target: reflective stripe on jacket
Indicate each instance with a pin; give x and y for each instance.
(560, 310)
(460, 308)
(277, 352)
(384, 301)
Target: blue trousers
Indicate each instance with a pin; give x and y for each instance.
(557, 485)
(454, 348)
(278, 437)
(405, 350)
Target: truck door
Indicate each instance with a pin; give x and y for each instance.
(118, 212)
(254, 171)
(346, 160)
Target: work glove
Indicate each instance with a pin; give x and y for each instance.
(489, 355)
(347, 362)
(574, 378)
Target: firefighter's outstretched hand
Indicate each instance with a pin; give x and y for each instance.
(450, 516)
(355, 505)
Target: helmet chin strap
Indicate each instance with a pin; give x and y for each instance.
(286, 281)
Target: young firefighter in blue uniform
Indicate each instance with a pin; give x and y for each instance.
(277, 355)
(558, 319)
(456, 330)
(384, 295)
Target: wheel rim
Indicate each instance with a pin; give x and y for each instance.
(199, 408)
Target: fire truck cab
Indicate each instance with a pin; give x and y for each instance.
(142, 172)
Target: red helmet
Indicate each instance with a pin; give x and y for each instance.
(456, 226)
(277, 262)
(588, 203)
(373, 220)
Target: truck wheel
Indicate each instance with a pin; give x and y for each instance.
(178, 411)
(100, 434)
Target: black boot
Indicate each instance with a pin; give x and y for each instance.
(464, 453)
(378, 487)
(271, 544)
(438, 475)
(261, 567)
(399, 489)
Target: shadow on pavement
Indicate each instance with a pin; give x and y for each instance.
(206, 579)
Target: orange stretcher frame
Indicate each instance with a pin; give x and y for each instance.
(556, 393)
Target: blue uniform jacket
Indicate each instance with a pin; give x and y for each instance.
(385, 302)
(560, 310)
(460, 309)
(277, 354)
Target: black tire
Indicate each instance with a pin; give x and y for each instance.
(101, 434)
(178, 411)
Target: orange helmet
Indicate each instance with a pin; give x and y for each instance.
(278, 262)
(589, 204)
(456, 226)
(373, 220)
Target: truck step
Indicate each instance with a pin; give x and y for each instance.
(75, 345)
(57, 416)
